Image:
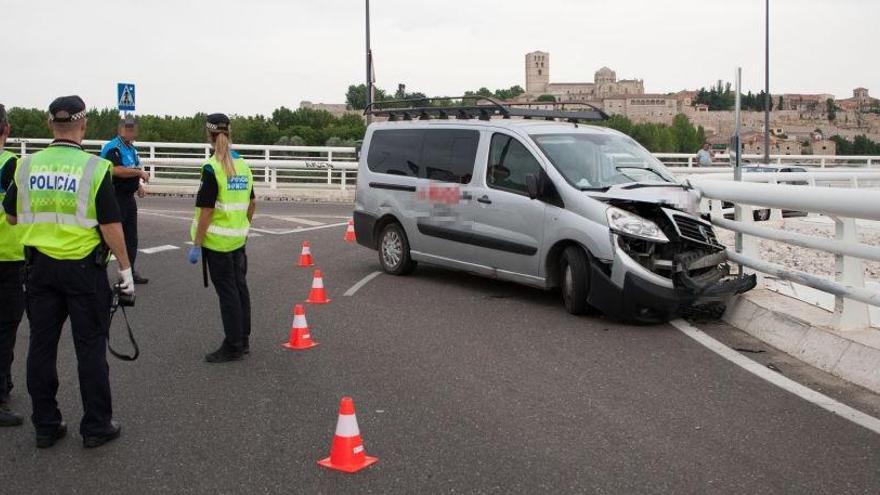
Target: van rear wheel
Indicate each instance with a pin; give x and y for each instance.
(394, 251)
(575, 280)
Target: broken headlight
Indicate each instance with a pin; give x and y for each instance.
(630, 224)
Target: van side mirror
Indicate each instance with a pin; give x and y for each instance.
(532, 186)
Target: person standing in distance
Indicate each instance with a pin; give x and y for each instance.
(225, 208)
(63, 202)
(705, 155)
(127, 177)
(11, 294)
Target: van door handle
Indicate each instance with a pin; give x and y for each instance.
(484, 199)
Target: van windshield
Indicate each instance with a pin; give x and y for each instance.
(589, 161)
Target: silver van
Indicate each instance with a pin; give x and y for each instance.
(538, 198)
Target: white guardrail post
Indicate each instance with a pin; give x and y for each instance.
(849, 314)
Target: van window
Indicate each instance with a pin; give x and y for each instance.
(396, 152)
(448, 154)
(509, 164)
(445, 155)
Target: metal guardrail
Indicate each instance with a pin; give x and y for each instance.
(843, 205)
(274, 166)
(722, 160)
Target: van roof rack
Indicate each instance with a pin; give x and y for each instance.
(482, 108)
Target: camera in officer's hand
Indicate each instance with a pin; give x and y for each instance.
(121, 299)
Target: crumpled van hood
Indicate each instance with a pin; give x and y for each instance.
(672, 196)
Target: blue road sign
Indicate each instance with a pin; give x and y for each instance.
(125, 97)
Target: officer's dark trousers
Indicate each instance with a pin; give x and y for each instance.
(11, 311)
(80, 290)
(128, 209)
(229, 276)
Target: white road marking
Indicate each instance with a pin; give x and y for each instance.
(164, 215)
(303, 221)
(255, 229)
(778, 379)
(294, 231)
(158, 249)
(354, 288)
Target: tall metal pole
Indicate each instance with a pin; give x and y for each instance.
(736, 147)
(767, 82)
(369, 64)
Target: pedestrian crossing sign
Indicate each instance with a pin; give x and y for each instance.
(125, 97)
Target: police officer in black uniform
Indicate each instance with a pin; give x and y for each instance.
(127, 177)
(66, 275)
(11, 293)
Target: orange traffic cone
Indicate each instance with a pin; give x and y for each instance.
(318, 295)
(349, 232)
(305, 258)
(347, 451)
(300, 336)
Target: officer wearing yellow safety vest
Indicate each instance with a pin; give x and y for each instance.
(11, 294)
(224, 209)
(63, 202)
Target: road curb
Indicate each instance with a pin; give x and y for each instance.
(804, 331)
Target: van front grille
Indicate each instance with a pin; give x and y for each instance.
(695, 230)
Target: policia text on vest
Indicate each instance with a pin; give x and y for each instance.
(224, 210)
(63, 203)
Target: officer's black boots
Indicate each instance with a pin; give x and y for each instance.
(90, 442)
(7, 417)
(138, 280)
(224, 355)
(246, 347)
(46, 439)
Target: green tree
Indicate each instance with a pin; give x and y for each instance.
(510, 93)
(29, 122)
(546, 97)
(687, 139)
(831, 109)
(356, 96)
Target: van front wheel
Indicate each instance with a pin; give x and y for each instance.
(394, 251)
(575, 280)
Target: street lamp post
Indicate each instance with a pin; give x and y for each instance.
(767, 81)
(369, 63)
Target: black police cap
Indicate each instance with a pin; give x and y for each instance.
(217, 122)
(67, 109)
(129, 121)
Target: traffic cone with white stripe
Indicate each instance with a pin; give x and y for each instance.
(300, 336)
(318, 295)
(349, 232)
(305, 258)
(347, 451)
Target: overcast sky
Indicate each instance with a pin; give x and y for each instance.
(252, 56)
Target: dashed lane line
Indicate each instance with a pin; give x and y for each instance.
(158, 249)
(303, 221)
(297, 230)
(364, 281)
(777, 379)
(255, 229)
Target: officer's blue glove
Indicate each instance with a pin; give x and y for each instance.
(195, 253)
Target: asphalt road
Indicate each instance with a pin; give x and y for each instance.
(462, 385)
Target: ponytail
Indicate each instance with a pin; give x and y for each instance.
(222, 152)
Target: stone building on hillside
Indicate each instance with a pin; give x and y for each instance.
(861, 101)
(605, 83)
